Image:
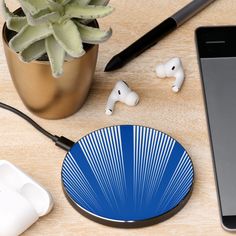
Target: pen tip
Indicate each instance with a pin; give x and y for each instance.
(113, 64)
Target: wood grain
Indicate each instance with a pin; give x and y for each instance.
(180, 115)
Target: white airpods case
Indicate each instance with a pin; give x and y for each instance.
(22, 200)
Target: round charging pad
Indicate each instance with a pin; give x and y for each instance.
(127, 176)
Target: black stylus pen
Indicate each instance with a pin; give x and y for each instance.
(156, 34)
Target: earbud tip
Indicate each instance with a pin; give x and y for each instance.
(175, 89)
(108, 112)
(160, 71)
(132, 99)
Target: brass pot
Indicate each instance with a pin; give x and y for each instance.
(44, 95)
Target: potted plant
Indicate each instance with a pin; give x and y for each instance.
(51, 49)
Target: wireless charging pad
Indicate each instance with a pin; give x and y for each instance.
(127, 176)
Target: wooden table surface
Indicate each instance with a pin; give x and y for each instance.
(180, 115)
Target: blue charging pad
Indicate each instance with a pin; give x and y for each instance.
(127, 176)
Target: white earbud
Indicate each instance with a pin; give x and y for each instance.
(172, 68)
(121, 93)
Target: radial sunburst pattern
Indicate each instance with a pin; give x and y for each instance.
(127, 173)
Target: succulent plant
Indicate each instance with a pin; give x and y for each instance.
(55, 27)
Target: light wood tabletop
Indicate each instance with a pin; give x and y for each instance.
(180, 115)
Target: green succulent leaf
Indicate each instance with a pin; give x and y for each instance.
(63, 2)
(34, 51)
(43, 17)
(95, 3)
(87, 12)
(81, 2)
(55, 27)
(14, 22)
(5, 11)
(99, 2)
(93, 35)
(56, 55)
(55, 6)
(29, 35)
(68, 57)
(68, 36)
(35, 6)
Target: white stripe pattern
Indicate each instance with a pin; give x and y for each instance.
(160, 179)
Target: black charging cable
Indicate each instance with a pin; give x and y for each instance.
(61, 141)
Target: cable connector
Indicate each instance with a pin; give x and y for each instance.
(61, 142)
(64, 143)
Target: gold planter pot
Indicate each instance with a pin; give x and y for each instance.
(44, 95)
